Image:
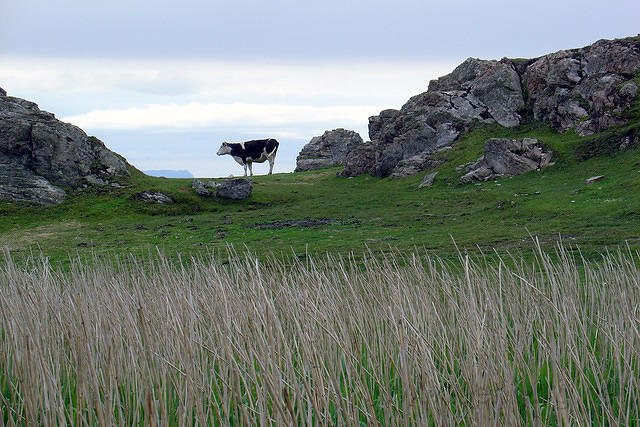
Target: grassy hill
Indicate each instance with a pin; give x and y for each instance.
(317, 212)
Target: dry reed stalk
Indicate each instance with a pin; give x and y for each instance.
(393, 340)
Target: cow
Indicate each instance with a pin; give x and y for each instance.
(248, 152)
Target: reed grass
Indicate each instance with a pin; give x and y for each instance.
(396, 340)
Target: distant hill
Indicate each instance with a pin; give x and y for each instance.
(168, 173)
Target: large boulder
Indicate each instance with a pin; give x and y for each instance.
(34, 143)
(233, 188)
(507, 157)
(329, 149)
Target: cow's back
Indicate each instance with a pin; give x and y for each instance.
(259, 145)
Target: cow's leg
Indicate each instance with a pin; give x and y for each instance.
(245, 169)
(271, 161)
(250, 168)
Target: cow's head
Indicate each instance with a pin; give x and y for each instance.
(224, 149)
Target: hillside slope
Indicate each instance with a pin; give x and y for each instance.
(317, 212)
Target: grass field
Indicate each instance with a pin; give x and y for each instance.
(318, 212)
(397, 340)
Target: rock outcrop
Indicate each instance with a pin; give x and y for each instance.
(507, 157)
(45, 155)
(327, 150)
(585, 89)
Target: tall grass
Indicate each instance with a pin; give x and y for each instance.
(399, 340)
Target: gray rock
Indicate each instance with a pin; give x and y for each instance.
(415, 164)
(234, 189)
(56, 151)
(482, 173)
(200, 188)
(593, 179)
(20, 184)
(568, 86)
(95, 180)
(3, 92)
(629, 91)
(327, 150)
(428, 180)
(360, 161)
(507, 157)
(155, 197)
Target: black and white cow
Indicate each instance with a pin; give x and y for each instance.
(248, 152)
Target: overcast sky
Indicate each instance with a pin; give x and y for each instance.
(164, 82)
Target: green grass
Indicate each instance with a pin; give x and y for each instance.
(360, 212)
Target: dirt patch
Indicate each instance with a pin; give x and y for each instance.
(308, 222)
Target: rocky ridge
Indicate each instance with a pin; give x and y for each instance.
(41, 156)
(586, 89)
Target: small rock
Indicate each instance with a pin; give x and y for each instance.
(629, 91)
(3, 92)
(95, 180)
(593, 179)
(428, 180)
(156, 197)
(415, 164)
(200, 188)
(574, 192)
(624, 143)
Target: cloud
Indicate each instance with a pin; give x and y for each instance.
(241, 115)
(208, 81)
